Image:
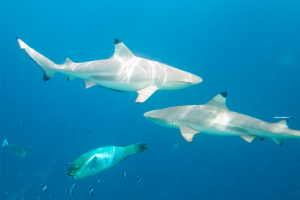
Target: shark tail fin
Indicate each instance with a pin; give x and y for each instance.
(138, 148)
(5, 143)
(47, 65)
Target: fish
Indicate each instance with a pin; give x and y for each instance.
(19, 174)
(26, 177)
(138, 179)
(290, 117)
(44, 188)
(50, 196)
(124, 174)
(38, 198)
(65, 153)
(73, 186)
(5, 193)
(122, 72)
(21, 123)
(91, 191)
(70, 191)
(114, 174)
(215, 118)
(73, 51)
(102, 158)
(98, 181)
(18, 151)
(30, 148)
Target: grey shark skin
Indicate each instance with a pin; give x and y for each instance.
(215, 118)
(122, 72)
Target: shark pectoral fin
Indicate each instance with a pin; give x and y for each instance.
(278, 141)
(187, 133)
(283, 123)
(122, 52)
(219, 101)
(89, 84)
(145, 93)
(93, 165)
(248, 138)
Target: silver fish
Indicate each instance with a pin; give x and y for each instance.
(44, 187)
(73, 185)
(91, 191)
(124, 174)
(70, 191)
(138, 179)
(18, 151)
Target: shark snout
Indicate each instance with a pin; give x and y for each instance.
(196, 79)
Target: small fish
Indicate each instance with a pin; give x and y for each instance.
(98, 181)
(65, 153)
(98, 160)
(138, 179)
(0, 152)
(44, 187)
(21, 123)
(91, 191)
(30, 148)
(50, 196)
(124, 174)
(26, 177)
(5, 193)
(19, 174)
(52, 147)
(18, 151)
(73, 185)
(161, 198)
(70, 191)
(73, 51)
(114, 174)
(38, 198)
(290, 117)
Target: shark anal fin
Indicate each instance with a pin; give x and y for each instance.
(70, 78)
(145, 93)
(248, 138)
(279, 141)
(283, 123)
(94, 164)
(89, 84)
(187, 133)
(219, 101)
(45, 77)
(113, 89)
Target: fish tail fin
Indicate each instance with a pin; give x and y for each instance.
(5, 143)
(47, 65)
(138, 148)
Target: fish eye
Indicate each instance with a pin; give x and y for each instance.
(76, 167)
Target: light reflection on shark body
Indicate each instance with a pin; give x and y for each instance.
(215, 118)
(122, 72)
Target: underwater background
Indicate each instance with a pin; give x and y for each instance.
(249, 48)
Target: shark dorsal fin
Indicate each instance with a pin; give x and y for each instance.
(283, 123)
(122, 52)
(219, 101)
(68, 61)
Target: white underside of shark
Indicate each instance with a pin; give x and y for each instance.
(215, 118)
(122, 72)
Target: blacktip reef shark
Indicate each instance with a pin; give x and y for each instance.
(215, 118)
(122, 72)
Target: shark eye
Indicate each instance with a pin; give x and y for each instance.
(76, 167)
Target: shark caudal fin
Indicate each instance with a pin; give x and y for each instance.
(138, 148)
(5, 143)
(47, 65)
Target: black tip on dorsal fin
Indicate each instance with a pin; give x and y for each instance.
(117, 41)
(224, 94)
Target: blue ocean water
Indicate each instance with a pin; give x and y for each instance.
(249, 48)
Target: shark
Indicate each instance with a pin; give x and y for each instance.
(216, 119)
(122, 72)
